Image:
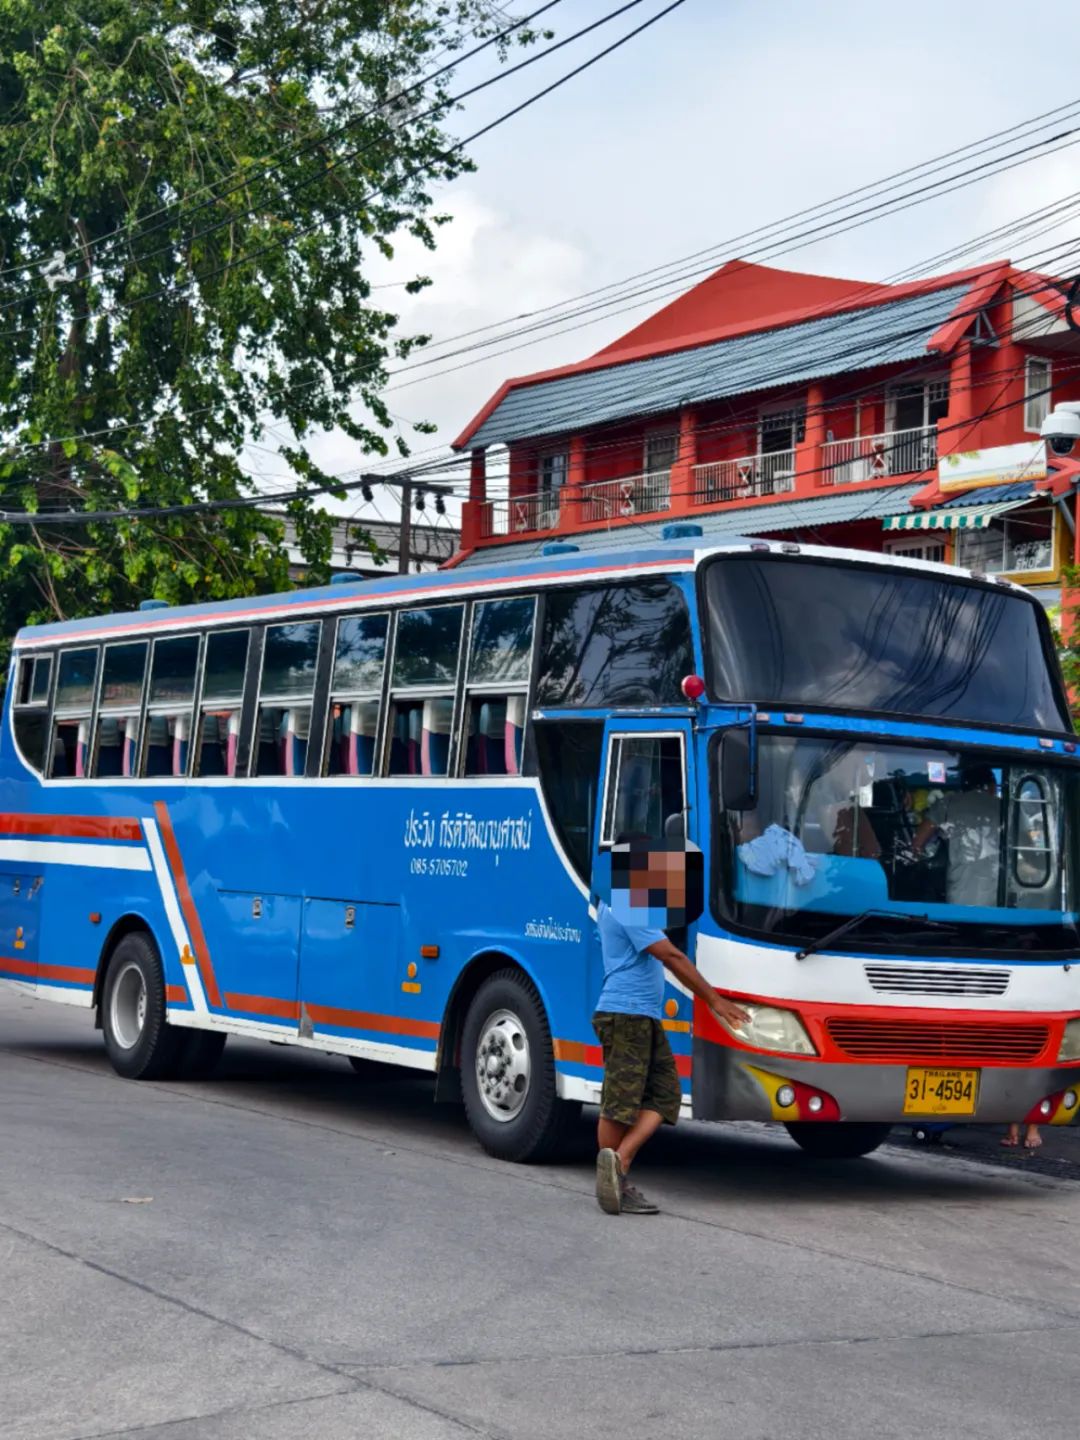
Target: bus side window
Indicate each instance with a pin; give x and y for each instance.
(424, 677)
(568, 759)
(646, 788)
(174, 666)
(355, 690)
(116, 744)
(224, 669)
(290, 655)
(76, 678)
(500, 660)
(31, 713)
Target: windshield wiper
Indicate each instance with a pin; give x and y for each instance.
(856, 920)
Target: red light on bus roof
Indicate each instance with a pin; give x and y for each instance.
(693, 687)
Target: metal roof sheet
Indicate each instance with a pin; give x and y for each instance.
(747, 521)
(989, 495)
(830, 345)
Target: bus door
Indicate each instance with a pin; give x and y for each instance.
(646, 786)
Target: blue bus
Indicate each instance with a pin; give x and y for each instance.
(366, 819)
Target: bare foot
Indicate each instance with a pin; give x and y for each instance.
(1032, 1140)
(1011, 1138)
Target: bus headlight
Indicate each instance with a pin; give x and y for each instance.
(770, 1028)
(1070, 1041)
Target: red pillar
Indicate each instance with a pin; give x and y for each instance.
(572, 499)
(682, 472)
(808, 453)
(473, 509)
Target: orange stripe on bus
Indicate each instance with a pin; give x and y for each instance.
(175, 995)
(363, 1020)
(264, 1005)
(34, 970)
(574, 1052)
(72, 827)
(187, 905)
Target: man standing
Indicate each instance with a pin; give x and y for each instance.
(641, 1085)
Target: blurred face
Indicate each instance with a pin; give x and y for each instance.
(656, 883)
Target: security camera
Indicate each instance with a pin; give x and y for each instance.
(1061, 428)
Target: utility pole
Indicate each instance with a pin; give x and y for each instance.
(405, 535)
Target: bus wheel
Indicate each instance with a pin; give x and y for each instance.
(139, 1043)
(508, 1072)
(841, 1141)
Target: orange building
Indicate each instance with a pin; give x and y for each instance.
(900, 418)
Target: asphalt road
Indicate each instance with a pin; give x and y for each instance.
(313, 1255)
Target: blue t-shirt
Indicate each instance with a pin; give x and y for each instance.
(633, 979)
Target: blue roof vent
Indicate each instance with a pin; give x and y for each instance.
(682, 530)
(153, 604)
(346, 577)
(560, 547)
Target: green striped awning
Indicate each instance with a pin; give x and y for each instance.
(964, 517)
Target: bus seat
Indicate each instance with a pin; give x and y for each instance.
(414, 727)
(82, 746)
(131, 745)
(491, 738)
(232, 742)
(158, 746)
(181, 728)
(363, 725)
(515, 732)
(211, 758)
(435, 741)
(109, 757)
(399, 741)
(297, 724)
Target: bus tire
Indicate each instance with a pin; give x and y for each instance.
(840, 1140)
(200, 1051)
(508, 1072)
(139, 1042)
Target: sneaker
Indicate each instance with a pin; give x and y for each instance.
(634, 1202)
(609, 1182)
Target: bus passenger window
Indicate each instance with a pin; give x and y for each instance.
(173, 669)
(421, 718)
(290, 656)
(116, 746)
(500, 660)
(224, 669)
(31, 711)
(359, 660)
(69, 754)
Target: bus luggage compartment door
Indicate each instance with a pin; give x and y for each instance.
(20, 912)
(351, 969)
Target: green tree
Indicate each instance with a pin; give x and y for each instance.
(192, 191)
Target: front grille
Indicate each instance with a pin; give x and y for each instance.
(912, 1040)
(937, 980)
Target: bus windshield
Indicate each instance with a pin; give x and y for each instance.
(801, 632)
(985, 848)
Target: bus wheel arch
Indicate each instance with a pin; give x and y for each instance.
(503, 1051)
(125, 925)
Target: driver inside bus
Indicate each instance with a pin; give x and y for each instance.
(970, 820)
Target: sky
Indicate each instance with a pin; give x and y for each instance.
(724, 116)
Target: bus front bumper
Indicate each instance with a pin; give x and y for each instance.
(731, 1084)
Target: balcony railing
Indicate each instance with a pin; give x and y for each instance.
(623, 499)
(876, 457)
(519, 514)
(747, 478)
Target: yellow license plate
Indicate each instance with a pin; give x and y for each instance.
(940, 1092)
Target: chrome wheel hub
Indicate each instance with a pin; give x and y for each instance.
(502, 1065)
(127, 1009)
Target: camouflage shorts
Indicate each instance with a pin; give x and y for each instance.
(639, 1068)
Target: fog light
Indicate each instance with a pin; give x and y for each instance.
(1045, 1107)
(785, 1096)
(814, 1104)
(1070, 1099)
